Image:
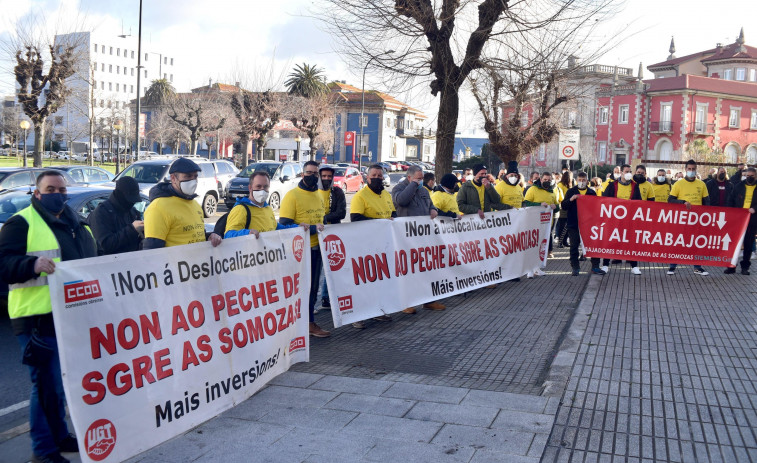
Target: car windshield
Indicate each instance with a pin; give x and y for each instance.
(3, 175)
(12, 202)
(339, 172)
(270, 168)
(145, 173)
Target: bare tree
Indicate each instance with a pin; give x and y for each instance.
(161, 127)
(313, 116)
(440, 42)
(197, 113)
(256, 114)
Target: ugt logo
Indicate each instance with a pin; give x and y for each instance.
(335, 253)
(81, 290)
(298, 247)
(100, 439)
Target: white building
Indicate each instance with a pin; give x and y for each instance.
(105, 81)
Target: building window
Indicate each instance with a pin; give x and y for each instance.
(542, 156)
(118, 52)
(728, 74)
(666, 117)
(110, 86)
(572, 119)
(145, 56)
(165, 60)
(623, 114)
(388, 122)
(165, 76)
(111, 50)
(132, 72)
(365, 118)
(524, 119)
(132, 54)
(753, 75)
(700, 124)
(427, 149)
(740, 74)
(753, 123)
(409, 124)
(117, 86)
(604, 115)
(118, 69)
(145, 73)
(602, 151)
(95, 48)
(735, 118)
(171, 78)
(102, 85)
(103, 67)
(171, 61)
(110, 68)
(132, 89)
(102, 103)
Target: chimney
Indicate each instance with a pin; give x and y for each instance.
(210, 82)
(236, 84)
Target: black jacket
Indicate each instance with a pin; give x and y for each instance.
(713, 190)
(572, 206)
(736, 199)
(337, 206)
(74, 240)
(112, 226)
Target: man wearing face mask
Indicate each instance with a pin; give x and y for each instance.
(744, 196)
(570, 205)
(543, 195)
(32, 242)
(429, 181)
(616, 175)
(738, 177)
(304, 205)
(411, 198)
(478, 196)
(646, 190)
(623, 188)
(335, 206)
(252, 215)
(174, 217)
(444, 199)
(661, 187)
(691, 192)
(719, 188)
(510, 192)
(116, 225)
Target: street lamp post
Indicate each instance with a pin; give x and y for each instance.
(118, 126)
(298, 139)
(25, 126)
(362, 110)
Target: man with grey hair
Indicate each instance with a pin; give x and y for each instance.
(411, 199)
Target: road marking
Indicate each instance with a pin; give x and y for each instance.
(14, 432)
(14, 407)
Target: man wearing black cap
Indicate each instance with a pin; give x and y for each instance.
(444, 199)
(478, 195)
(116, 225)
(510, 191)
(173, 217)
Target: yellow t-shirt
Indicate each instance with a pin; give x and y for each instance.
(692, 191)
(748, 196)
(326, 198)
(510, 194)
(303, 207)
(539, 195)
(646, 190)
(371, 205)
(175, 220)
(661, 192)
(480, 190)
(582, 192)
(445, 202)
(624, 191)
(261, 218)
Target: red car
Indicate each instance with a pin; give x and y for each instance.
(348, 179)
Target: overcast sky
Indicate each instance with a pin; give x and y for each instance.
(215, 38)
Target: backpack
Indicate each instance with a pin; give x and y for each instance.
(220, 228)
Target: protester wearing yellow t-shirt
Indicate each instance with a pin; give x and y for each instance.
(444, 201)
(661, 186)
(646, 190)
(174, 217)
(252, 215)
(744, 196)
(692, 192)
(623, 188)
(510, 191)
(304, 205)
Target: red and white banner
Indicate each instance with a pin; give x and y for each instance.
(383, 266)
(153, 343)
(648, 231)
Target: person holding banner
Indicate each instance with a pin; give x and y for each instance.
(478, 195)
(543, 195)
(510, 192)
(646, 190)
(624, 188)
(252, 215)
(661, 186)
(719, 188)
(743, 196)
(304, 205)
(444, 198)
(574, 238)
(32, 241)
(116, 224)
(691, 192)
(335, 205)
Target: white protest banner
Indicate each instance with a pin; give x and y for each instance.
(153, 343)
(378, 267)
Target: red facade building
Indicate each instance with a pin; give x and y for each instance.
(710, 96)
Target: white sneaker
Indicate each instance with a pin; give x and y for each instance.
(636, 271)
(702, 272)
(539, 273)
(605, 268)
(530, 275)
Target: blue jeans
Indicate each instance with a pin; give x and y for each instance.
(324, 289)
(47, 411)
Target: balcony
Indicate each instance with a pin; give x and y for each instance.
(661, 127)
(700, 128)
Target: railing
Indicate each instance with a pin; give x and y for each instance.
(605, 69)
(661, 126)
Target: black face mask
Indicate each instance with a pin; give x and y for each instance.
(638, 178)
(721, 177)
(326, 184)
(750, 180)
(310, 181)
(477, 181)
(376, 185)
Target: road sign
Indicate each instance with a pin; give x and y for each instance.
(568, 144)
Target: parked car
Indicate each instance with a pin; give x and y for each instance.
(86, 174)
(63, 155)
(13, 177)
(387, 167)
(225, 171)
(403, 165)
(284, 177)
(346, 164)
(395, 165)
(348, 179)
(150, 172)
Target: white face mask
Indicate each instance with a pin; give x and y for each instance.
(188, 187)
(260, 196)
(512, 180)
(691, 173)
(469, 177)
(743, 177)
(581, 185)
(661, 178)
(627, 176)
(616, 176)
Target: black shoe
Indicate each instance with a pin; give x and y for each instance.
(54, 457)
(68, 444)
(730, 270)
(616, 261)
(598, 271)
(514, 280)
(575, 272)
(745, 271)
(326, 303)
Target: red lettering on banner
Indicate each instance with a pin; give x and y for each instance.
(91, 383)
(370, 268)
(128, 336)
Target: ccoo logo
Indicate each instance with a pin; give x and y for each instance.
(298, 247)
(100, 439)
(335, 253)
(297, 344)
(345, 303)
(75, 291)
